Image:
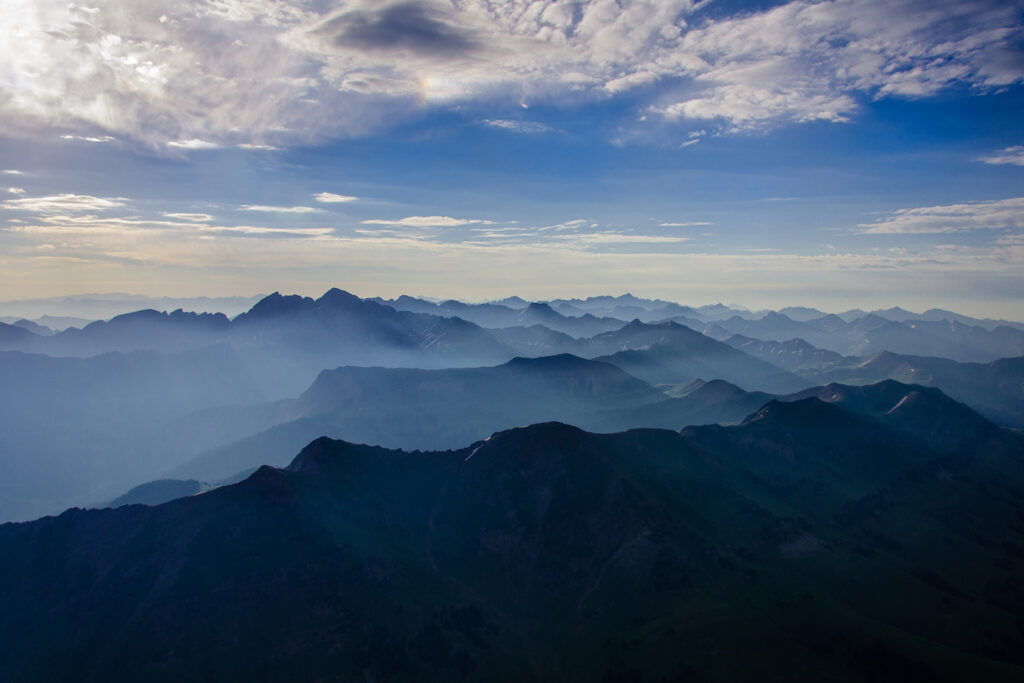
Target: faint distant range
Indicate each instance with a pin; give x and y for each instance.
(60, 312)
(84, 308)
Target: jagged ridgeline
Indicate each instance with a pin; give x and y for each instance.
(856, 534)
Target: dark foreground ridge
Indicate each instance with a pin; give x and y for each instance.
(819, 540)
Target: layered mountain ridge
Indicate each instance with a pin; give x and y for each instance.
(123, 425)
(804, 544)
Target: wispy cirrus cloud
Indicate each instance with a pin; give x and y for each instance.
(608, 238)
(524, 127)
(332, 198)
(951, 218)
(194, 144)
(378, 233)
(63, 202)
(87, 138)
(1010, 155)
(265, 230)
(192, 217)
(427, 222)
(279, 209)
(539, 269)
(103, 243)
(92, 227)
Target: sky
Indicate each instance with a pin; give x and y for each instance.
(836, 153)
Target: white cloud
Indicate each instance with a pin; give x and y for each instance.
(258, 148)
(427, 222)
(11, 171)
(381, 233)
(182, 228)
(87, 138)
(613, 238)
(525, 127)
(514, 235)
(745, 104)
(207, 74)
(194, 143)
(263, 230)
(810, 60)
(1010, 155)
(331, 198)
(279, 209)
(574, 224)
(15, 190)
(63, 202)
(193, 217)
(630, 81)
(986, 215)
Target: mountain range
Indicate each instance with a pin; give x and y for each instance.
(871, 536)
(611, 488)
(142, 394)
(872, 333)
(443, 409)
(339, 328)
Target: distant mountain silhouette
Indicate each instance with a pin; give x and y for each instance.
(801, 313)
(156, 492)
(669, 353)
(872, 333)
(15, 336)
(695, 403)
(33, 327)
(438, 409)
(339, 324)
(930, 415)
(336, 323)
(626, 307)
(578, 324)
(897, 314)
(994, 389)
(810, 543)
(141, 330)
(792, 354)
(48, 323)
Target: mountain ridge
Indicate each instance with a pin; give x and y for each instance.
(544, 552)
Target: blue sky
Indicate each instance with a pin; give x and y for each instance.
(837, 153)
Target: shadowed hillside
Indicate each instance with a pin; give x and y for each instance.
(812, 542)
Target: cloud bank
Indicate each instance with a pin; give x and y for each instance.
(205, 74)
(1005, 214)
